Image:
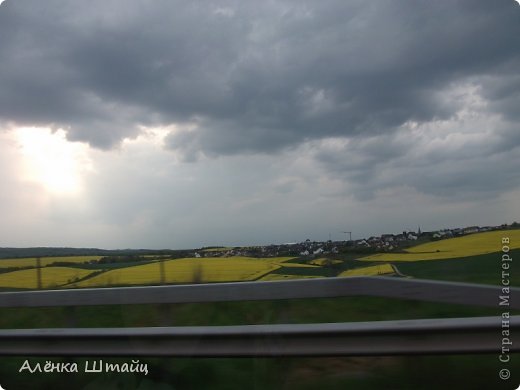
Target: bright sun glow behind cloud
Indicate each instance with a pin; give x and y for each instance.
(52, 161)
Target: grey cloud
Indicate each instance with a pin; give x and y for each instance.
(503, 93)
(477, 166)
(256, 77)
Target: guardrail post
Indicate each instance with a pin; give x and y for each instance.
(70, 316)
(162, 271)
(165, 314)
(39, 273)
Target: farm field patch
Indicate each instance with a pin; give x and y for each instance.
(484, 269)
(373, 270)
(271, 277)
(188, 270)
(31, 261)
(470, 245)
(325, 261)
(298, 265)
(51, 277)
(224, 249)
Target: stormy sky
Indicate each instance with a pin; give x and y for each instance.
(176, 124)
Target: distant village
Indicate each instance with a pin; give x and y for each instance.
(383, 243)
(308, 248)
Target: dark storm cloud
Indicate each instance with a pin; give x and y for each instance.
(253, 77)
(462, 164)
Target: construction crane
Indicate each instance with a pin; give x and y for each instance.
(350, 235)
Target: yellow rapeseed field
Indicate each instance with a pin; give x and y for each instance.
(298, 265)
(31, 261)
(188, 270)
(325, 261)
(271, 277)
(373, 270)
(51, 277)
(470, 245)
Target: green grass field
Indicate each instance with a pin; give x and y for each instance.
(484, 269)
(288, 373)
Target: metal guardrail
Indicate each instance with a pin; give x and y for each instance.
(431, 336)
(426, 336)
